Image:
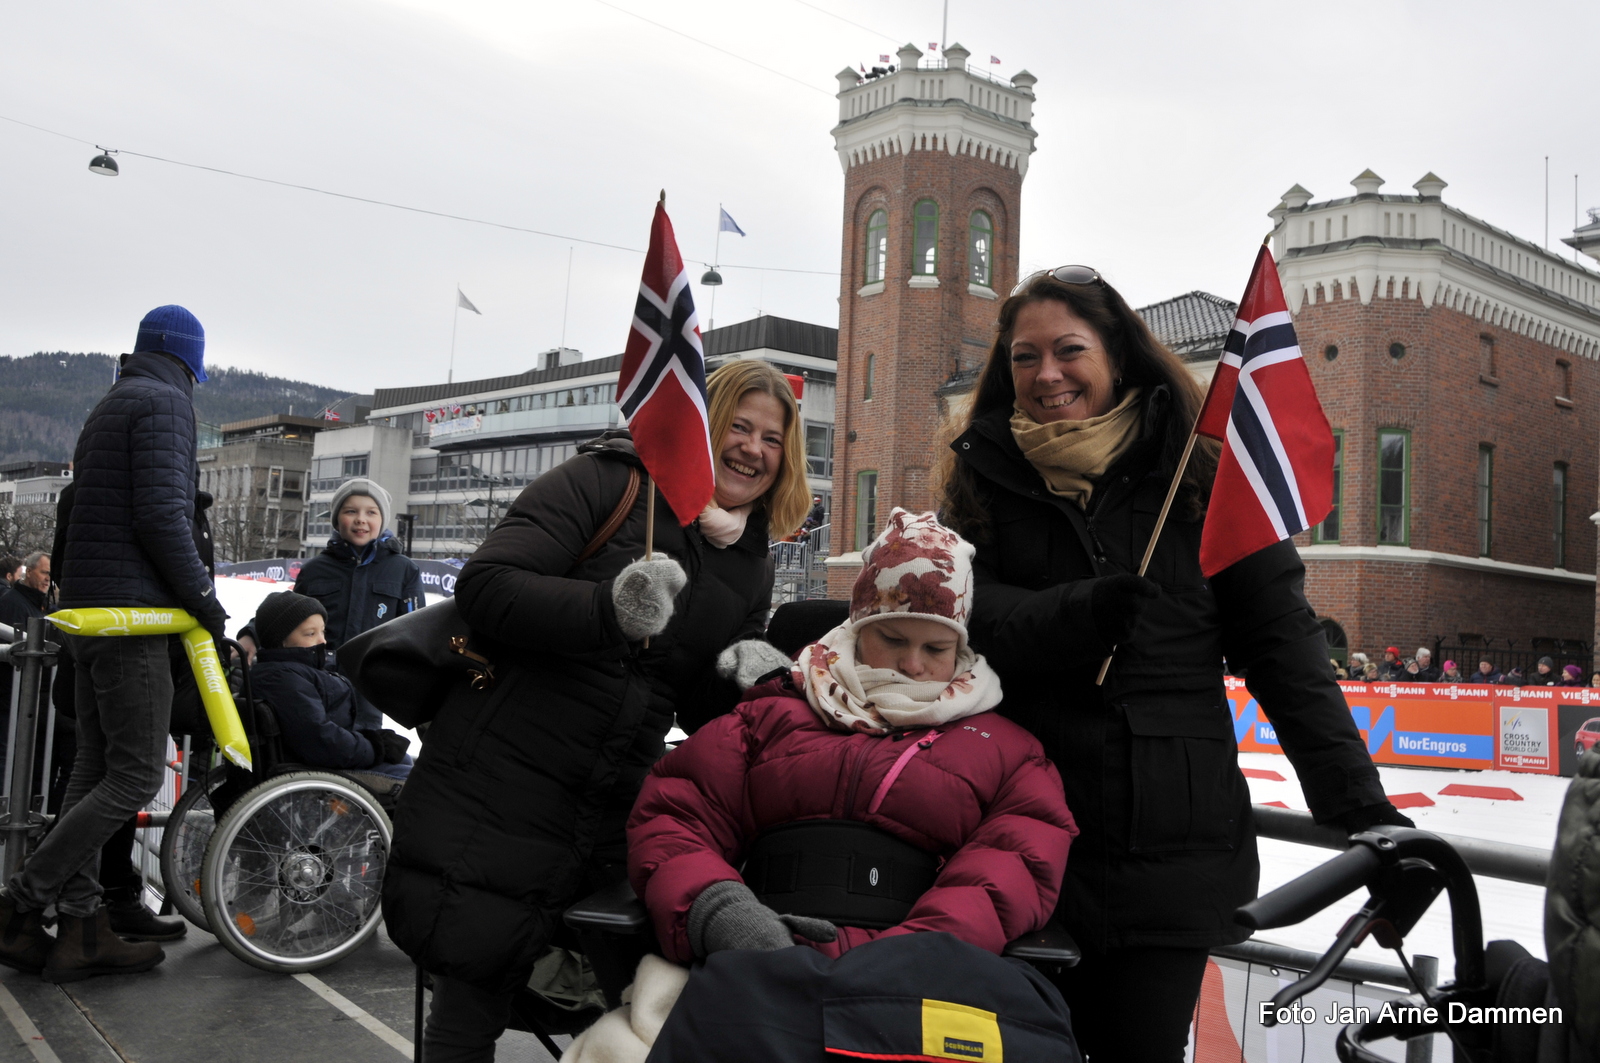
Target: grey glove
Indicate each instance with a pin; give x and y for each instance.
(727, 915)
(747, 661)
(643, 593)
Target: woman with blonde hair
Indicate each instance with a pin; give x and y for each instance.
(517, 804)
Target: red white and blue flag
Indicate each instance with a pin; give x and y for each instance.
(662, 387)
(1275, 477)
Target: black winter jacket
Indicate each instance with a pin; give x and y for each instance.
(361, 592)
(522, 790)
(131, 530)
(1149, 761)
(315, 707)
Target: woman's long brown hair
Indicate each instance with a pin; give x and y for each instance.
(1136, 356)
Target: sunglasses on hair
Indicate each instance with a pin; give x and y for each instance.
(1064, 274)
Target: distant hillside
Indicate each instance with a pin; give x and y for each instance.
(45, 397)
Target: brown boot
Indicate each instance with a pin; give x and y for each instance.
(87, 947)
(24, 942)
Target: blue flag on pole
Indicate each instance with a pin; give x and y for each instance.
(727, 225)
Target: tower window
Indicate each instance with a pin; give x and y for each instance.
(980, 249)
(866, 383)
(1394, 487)
(925, 238)
(1558, 484)
(866, 507)
(1328, 530)
(1485, 499)
(877, 245)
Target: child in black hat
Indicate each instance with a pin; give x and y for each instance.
(316, 707)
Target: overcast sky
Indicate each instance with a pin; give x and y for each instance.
(1166, 133)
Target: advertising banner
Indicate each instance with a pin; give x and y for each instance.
(1433, 725)
(438, 577)
(1576, 726)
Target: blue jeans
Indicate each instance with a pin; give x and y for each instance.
(124, 700)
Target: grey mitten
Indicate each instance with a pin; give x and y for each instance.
(747, 661)
(643, 593)
(727, 915)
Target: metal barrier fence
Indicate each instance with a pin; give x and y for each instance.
(800, 572)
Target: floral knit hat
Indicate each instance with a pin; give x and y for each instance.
(919, 567)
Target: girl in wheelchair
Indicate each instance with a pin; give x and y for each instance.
(314, 705)
(865, 794)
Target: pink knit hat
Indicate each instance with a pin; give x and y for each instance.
(916, 568)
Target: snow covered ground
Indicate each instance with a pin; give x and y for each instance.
(1510, 910)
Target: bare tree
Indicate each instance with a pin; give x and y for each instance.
(26, 528)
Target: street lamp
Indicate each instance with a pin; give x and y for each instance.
(103, 163)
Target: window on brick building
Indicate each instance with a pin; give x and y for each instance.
(866, 382)
(1394, 486)
(1328, 530)
(1485, 499)
(980, 249)
(1558, 512)
(866, 507)
(1338, 641)
(877, 245)
(1565, 368)
(1487, 364)
(925, 237)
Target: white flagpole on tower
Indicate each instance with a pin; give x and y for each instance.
(716, 256)
(450, 378)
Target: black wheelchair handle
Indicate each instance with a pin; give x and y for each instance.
(1296, 901)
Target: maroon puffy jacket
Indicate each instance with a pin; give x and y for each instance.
(981, 796)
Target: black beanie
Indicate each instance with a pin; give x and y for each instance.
(280, 613)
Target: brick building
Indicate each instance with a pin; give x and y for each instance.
(934, 154)
(1457, 365)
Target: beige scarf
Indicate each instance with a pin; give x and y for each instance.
(1073, 455)
(853, 697)
(724, 527)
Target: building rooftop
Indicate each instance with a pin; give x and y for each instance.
(1191, 325)
(763, 332)
(275, 426)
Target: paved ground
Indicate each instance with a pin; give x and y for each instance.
(204, 1006)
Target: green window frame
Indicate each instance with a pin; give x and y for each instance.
(866, 507)
(877, 246)
(1394, 487)
(925, 238)
(1328, 530)
(980, 250)
(1558, 512)
(1485, 499)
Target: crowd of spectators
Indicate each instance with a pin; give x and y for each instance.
(1420, 669)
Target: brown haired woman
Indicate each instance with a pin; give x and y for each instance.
(1077, 425)
(518, 801)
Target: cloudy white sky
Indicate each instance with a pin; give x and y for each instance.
(1166, 132)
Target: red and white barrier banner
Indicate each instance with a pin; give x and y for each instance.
(1544, 730)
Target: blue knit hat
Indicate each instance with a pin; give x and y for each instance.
(173, 330)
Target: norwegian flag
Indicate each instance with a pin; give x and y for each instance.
(662, 386)
(1275, 477)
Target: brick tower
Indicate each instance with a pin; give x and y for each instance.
(934, 155)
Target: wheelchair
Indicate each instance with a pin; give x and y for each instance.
(283, 863)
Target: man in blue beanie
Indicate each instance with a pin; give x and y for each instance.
(128, 542)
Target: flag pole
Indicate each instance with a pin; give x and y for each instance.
(1161, 520)
(455, 319)
(649, 524)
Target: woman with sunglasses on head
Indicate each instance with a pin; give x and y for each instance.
(1074, 434)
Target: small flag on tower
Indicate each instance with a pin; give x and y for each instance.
(933, 46)
(726, 224)
(662, 386)
(464, 303)
(1275, 476)
(883, 59)
(995, 60)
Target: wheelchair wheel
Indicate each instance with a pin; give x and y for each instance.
(293, 874)
(183, 846)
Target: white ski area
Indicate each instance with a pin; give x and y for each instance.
(1510, 910)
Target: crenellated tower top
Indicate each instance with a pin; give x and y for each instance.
(937, 105)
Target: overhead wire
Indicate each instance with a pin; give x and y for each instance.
(399, 206)
(846, 21)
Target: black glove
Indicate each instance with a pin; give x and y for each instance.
(1357, 820)
(391, 747)
(213, 618)
(1115, 605)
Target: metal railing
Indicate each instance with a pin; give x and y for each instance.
(799, 569)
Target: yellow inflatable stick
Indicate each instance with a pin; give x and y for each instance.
(209, 674)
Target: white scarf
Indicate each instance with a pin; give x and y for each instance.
(724, 527)
(853, 697)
